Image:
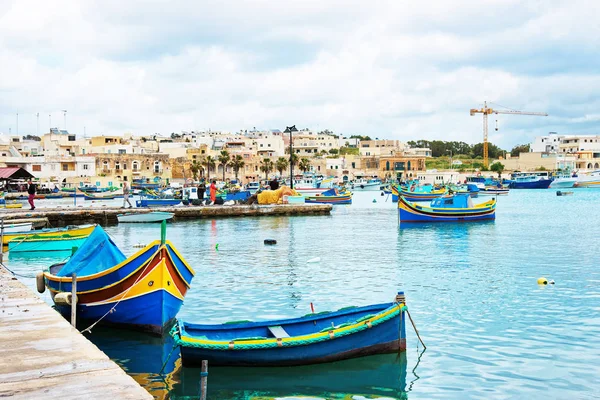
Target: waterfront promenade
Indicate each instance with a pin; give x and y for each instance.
(43, 356)
(107, 215)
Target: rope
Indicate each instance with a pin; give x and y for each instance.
(15, 274)
(167, 360)
(415, 328)
(89, 328)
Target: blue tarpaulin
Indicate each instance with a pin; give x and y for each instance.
(96, 254)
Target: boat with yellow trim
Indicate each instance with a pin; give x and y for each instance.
(416, 192)
(83, 230)
(457, 207)
(315, 338)
(144, 291)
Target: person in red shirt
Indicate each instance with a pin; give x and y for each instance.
(213, 192)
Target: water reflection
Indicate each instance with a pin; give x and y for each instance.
(380, 375)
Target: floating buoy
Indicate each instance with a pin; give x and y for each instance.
(39, 282)
(383, 194)
(217, 247)
(270, 241)
(374, 200)
(314, 260)
(551, 282)
(542, 281)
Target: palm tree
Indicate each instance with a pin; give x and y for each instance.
(223, 160)
(237, 162)
(304, 164)
(195, 168)
(266, 166)
(281, 165)
(210, 163)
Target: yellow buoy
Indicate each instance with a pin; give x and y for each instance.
(542, 281)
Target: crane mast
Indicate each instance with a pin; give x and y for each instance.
(487, 111)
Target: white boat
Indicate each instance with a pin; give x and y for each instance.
(14, 228)
(372, 184)
(252, 187)
(309, 184)
(591, 179)
(564, 181)
(154, 216)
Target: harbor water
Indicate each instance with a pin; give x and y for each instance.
(491, 331)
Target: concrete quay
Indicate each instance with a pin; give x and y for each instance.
(44, 357)
(105, 215)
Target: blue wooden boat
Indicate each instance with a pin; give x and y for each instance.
(331, 196)
(237, 196)
(315, 338)
(534, 180)
(415, 192)
(143, 291)
(458, 207)
(157, 202)
(35, 243)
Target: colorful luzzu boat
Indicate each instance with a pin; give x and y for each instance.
(330, 196)
(143, 291)
(26, 244)
(315, 338)
(83, 230)
(458, 207)
(420, 193)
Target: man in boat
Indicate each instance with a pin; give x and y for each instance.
(126, 195)
(31, 191)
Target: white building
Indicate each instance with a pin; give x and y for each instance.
(546, 144)
(54, 168)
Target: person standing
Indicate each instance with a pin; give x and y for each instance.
(31, 191)
(213, 192)
(201, 191)
(126, 195)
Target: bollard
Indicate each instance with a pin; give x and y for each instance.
(74, 300)
(203, 379)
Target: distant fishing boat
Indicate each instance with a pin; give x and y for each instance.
(315, 338)
(362, 184)
(458, 207)
(591, 179)
(493, 191)
(83, 230)
(156, 202)
(154, 216)
(421, 193)
(143, 291)
(35, 243)
(330, 196)
(530, 180)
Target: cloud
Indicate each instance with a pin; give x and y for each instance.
(404, 70)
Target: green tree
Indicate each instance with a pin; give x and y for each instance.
(266, 166)
(281, 165)
(522, 148)
(360, 137)
(304, 164)
(237, 163)
(210, 163)
(497, 167)
(224, 160)
(334, 151)
(195, 168)
(349, 151)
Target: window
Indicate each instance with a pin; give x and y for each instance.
(124, 166)
(117, 166)
(105, 165)
(65, 167)
(36, 168)
(135, 165)
(86, 166)
(156, 167)
(98, 183)
(71, 138)
(122, 151)
(82, 151)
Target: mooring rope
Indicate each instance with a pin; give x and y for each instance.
(415, 328)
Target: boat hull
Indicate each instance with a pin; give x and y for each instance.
(540, 184)
(366, 187)
(155, 216)
(374, 331)
(84, 230)
(37, 245)
(420, 196)
(328, 199)
(561, 183)
(157, 202)
(15, 228)
(408, 212)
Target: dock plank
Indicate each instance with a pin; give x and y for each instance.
(43, 356)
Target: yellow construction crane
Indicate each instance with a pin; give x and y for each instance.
(487, 111)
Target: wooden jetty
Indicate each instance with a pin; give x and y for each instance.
(104, 215)
(44, 357)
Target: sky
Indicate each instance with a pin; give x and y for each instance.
(404, 70)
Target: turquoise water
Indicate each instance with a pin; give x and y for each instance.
(490, 330)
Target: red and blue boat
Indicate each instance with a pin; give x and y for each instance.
(144, 291)
(457, 207)
(315, 338)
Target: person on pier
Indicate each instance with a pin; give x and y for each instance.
(31, 189)
(126, 195)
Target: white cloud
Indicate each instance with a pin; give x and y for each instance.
(407, 70)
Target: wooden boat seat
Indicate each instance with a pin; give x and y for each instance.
(278, 332)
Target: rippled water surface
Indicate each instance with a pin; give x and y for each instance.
(490, 330)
